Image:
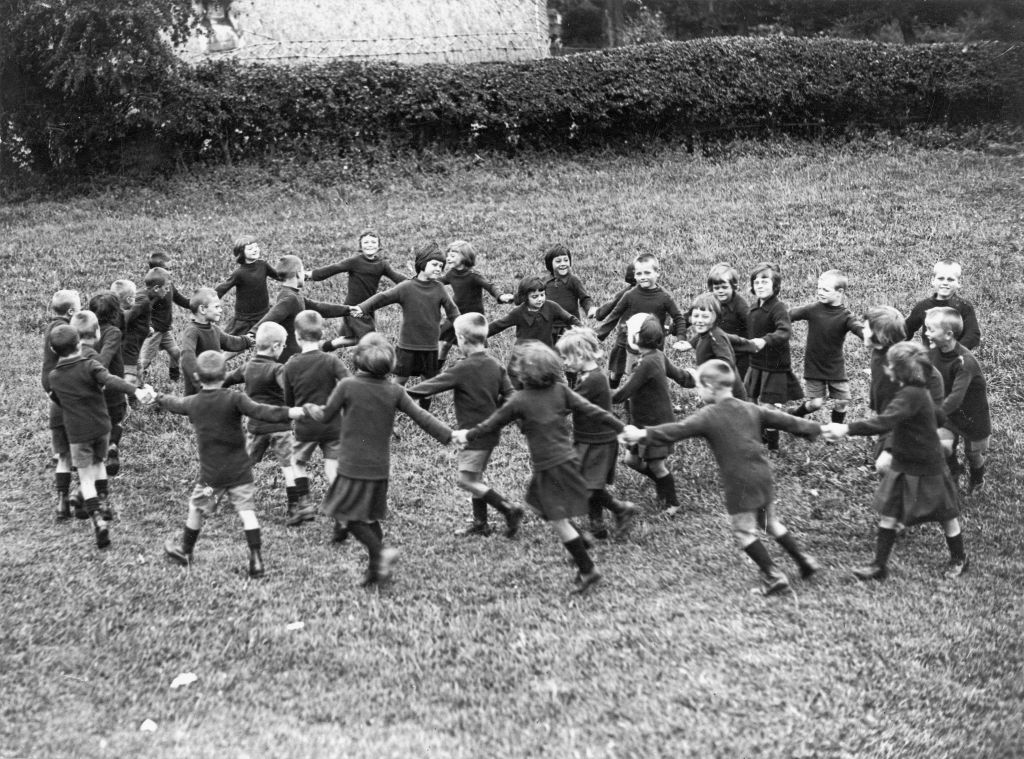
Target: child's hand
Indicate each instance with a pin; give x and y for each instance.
(145, 395)
(834, 432)
(297, 412)
(251, 339)
(682, 345)
(459, 438)
(307, 274)
(591, 312)
(313, 411)
(884, 462)
(357, 312)
(506, 298)
(758, 343)
(631, 435)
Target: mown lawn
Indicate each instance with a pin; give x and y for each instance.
(478, 648)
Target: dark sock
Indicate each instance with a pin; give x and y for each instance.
(954, 465)
(364, 533)
(883, 547)
(377, 530)
(188, 539)
(614, 381)
(480, 510)
(102, 488)
(599, 501)
(956, 547)
(802, 410)
(666, 489)
(301, 486)
(63, 480)
(772, 438)
(838, 417)
(788, 542)
(762, 519)
(497, 500)
(578, 550)
(760, 555)
(978, 474)
(92, 505)
(253, 538)
(291, 494)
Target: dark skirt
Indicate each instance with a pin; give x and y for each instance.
(559, 492)
(913, 499)
(597, 463)
(351, 500)
(773, 387)
(242, 324)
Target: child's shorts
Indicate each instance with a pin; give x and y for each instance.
(302, 451)
(279, 443)
(474, 461)
(772, 387)
(206, 499)
(90, 452)
(651, 452)
(597, 463)
(416, 363)
(836, 390)
(948, 436)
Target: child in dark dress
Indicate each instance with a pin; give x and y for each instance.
(723, 283)
(249, 281)
(468, 288)
(534, 317)
(708, 341)
(564, 288)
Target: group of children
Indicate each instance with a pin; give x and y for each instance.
(300, 396)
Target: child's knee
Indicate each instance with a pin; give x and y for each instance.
(814, 403)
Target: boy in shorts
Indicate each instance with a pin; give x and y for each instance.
(946, 279)
(204, 334)
(63, 304)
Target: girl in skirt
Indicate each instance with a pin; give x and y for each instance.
(917, 488)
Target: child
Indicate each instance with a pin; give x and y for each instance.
(264, 383)
(565, 288)
(709, 341)
(617, 356)
(422, 300)
(557, 490)
(163, 296)
(966, 402)
(770, 380)
(365, 270)
(596, 444)
(646, 392)
(108, 349)
(63, 306)
(723, 283)
(918, 487)
(646, 298)
(309, 377)
(224, 467)
(828, 322)
(290, 301)
(203, 334)
(358, 496)
(76, 385)
(732, 429)
(535, 316)
(468, 287)
(134, 326)
(250, 283)
(480, 385)
(946, 281)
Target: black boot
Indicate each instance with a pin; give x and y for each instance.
(63, 507)
(255, 563)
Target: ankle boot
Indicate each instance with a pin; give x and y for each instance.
(255, 563)
(63, 507)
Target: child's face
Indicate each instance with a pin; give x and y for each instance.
(889, 371)
(763, 285)
(828, 294)
(572, 362)
(126, 299)
(212, 311)
(369, 246)
(646, 275)
(938, 335)
(560, 265)
(869, 336)
(535, 299)
(251, 252)
(453, 259)
(702, 320)
(722, 290)
(946, 281)
(432, 270)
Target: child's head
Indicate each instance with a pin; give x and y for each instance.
(289, 268)
(630, 275)
(374, 355)
(644, 333)
(429, 261)
(460, 254)
(156, 279)
(86, 325)
(884, 326)
(531, 291)
(558, 260)
(579, 348)
(125, 292)
(943, 327)
(65, 302)
(210, 367)
(270, 339)
(946, 278)
(206, 305)
(907, 363)
(470, 330)
(705, 311)
(369, 244)
(765, 280)
(245, 249)
(158, 259)
(107, 308)
(714, 379)
(535, 365)
(723, 280)
(645, 270)
(832, 287)
(309, 327)
(64, 340)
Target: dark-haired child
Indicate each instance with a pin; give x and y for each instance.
(723, 283)
(365, 270)
(225, 469)
(708, 341)
(770, 380)
(534, 316)
(732, 429)
(163, 296)
(203, 334)
(249, 282)
(965, 404)
(917, 488)
(468, 287)
(946, 279)
(557, 489)
(63, 305)
(564, 288)
(108, 351)
(596, 443)
(358, 497)
(480, 386)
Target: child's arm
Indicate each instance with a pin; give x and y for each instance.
(450, 309)
(328, 310)
(559, 314)
(273, 273)
(285, 307)
(605, 309)
(327, 412)
(915, 321)
(105, 380)
(225, 286)
(424, 419)
(235, 376)
(587, 306)
(798, 314)
(605, 328)
(502, 323)
(694, 425)
(233, 342)
(898, 409)
(783, 328)
(393, 275)
(782, 421)
(681, 377)
(326, 272)
(970, 338)
(111, 348)
(486, 284)
(187, 360)
(506, 390)
(180, 300)
(678, 320)
(963, 372)
(386, 298)
(439, 384)
(503, 416)
(636, 380)
(592, 412)
(264, 411)
(855, 325)
(172, 403)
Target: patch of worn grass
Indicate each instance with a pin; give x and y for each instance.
(478, 648)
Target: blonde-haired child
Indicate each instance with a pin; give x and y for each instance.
(468, 287)
(946, 280)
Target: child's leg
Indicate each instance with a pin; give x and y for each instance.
(588, 574)
(371, 535)
(745, 531)
(89, 467)
(976, 452)
(948, 438)
(170, 347)
(809, 406)
(807, 564)
(330, 470)
(303, 510)
(665, 485)
(958, 562)
(878, 569)
(624, 511)
(771, 435)
(243, 497)
(62, 482)
(198, 502)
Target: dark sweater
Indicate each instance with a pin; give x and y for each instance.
(468, 288)
(204, 337)
(161, 315)
(735, 313)
(770, 321)
(216, 415)
(970, 338)
(647, 389)
(250, 283)
(966, 402)
(593, 386)
(826, 330)
(654, 301)
(109, 354)
(76, 385)
(290, 303)
(135, 328)
(716, 344)
(421, 302)
(569, 293)
(914, 442)
(363, 276)
(264, 383)
(310, 377)
(533, 325)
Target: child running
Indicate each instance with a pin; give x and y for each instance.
(108, 352)
(534, 317)
(564, 288)
(162, 297)
(63, 305)
(723, 283)
(204, 334)
(468, 287)
(249, 281)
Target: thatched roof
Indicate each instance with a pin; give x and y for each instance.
(404, 31)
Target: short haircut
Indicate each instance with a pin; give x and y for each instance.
(580, 343)
(465, 250)
(288, 266)
(553, 252)
(715, 374)
(156, 277)
(374, 355)
(651, 333)
(85, 323)
(472, 326)
(838, 279)
(909, 362)
(773, 271)
(947, 318)
(309, 326)
(239, 245)
(63, 301)
(204, 296)
(157, 258)
(535, 364)
(948, 263)
(107, 308)
(723, 273)
(269, 333)
(647, 258)
(707, 302)
(123, 287)
(887, 325)
(368, 233)
(528, 284)
(64, 340)
(210, 366)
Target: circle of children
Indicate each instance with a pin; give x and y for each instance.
(299, 395)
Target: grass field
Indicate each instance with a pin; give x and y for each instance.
(478, 648)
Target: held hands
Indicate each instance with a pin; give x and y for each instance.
(145, 395)
(682, 345)
(357, 312)
(312, 410)
(251, 339)
(459, 439)
(834, 432)
(758, 343)
(631, 435)
(591, 312)
(506, 298)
